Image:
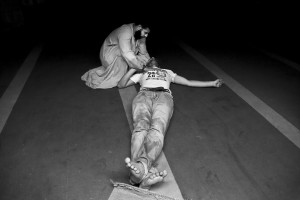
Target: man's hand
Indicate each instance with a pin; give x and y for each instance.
(142, 58)
(218, 83)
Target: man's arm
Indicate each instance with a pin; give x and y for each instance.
(127, 52)
(194, 83)
(143, 54)
(125, 80)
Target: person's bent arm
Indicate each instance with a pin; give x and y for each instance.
(125, 80)
(194, 83)
(142, 49)
(127, 52)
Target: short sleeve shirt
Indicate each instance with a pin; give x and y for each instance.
(155, 77)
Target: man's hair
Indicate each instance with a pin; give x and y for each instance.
(143, 24)
(138, 33)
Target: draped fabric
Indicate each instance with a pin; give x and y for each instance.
(124, 191)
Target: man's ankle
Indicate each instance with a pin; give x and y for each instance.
(145, 161)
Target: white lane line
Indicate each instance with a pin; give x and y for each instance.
(280, 58)
(279, 122)
(169, 187)
(14, 89)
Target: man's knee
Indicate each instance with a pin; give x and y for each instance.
(141, 125)
(154, 137)
(158, 125)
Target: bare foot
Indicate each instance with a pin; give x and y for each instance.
(153, 170)
(137, 171)
(153, 178)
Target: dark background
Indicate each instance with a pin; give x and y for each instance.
(272, 24)
(56, 111)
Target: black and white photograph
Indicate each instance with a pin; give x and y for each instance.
(149, 100)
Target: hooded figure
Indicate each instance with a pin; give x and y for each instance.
(124, 47)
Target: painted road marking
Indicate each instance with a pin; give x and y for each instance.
(279, 122)
(14, 89)
(169, 187)
(280, 58)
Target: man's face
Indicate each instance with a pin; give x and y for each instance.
(145, 32)
(141, 33)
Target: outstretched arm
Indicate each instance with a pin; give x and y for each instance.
(194, 83)
(125, 80)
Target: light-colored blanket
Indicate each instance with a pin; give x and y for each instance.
(124, 191)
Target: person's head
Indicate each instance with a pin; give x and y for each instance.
(141, 31)
(151, 63)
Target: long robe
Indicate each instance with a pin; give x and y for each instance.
(118, 52)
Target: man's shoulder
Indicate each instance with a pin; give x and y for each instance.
(127, 27)
(160, 69)
(124, 31)
(136, 77)
(170, 72)
(167, 70)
